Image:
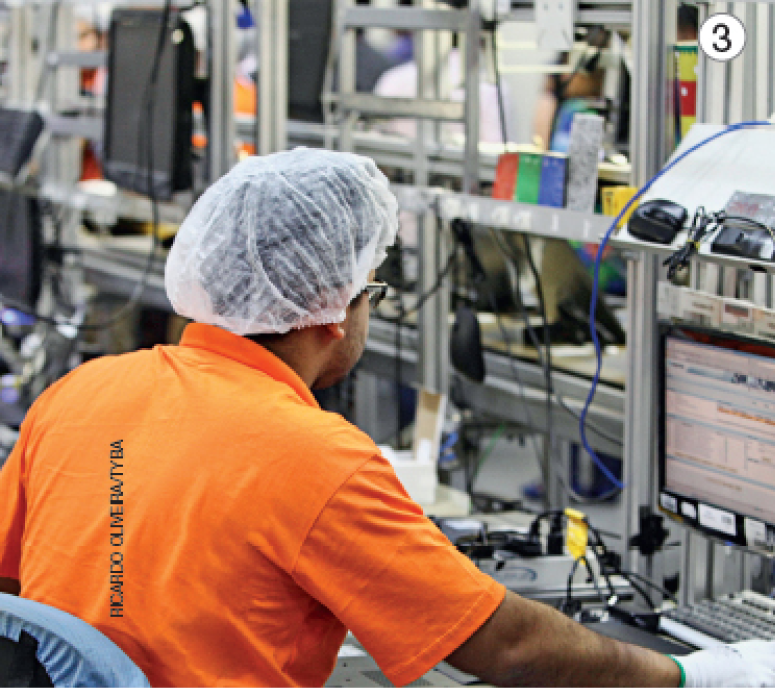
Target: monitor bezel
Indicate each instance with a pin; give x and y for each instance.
(680, 507)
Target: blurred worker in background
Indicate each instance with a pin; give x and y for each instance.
(253, 529)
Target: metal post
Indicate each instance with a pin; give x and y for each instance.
(272, 93)
(22, 77)
(347, 79)
(472, 55)
(221, 136)
(432, 320)
(686, 590)
(62, 155)
(656, 33)
(770, 59)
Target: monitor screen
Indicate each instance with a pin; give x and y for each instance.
(21, 250)
(129, 130)
(309, 38)
(717, 434)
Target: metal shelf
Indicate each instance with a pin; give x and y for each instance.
(108, 209)
(610, 13)
(556, 223)
(393, 151)
(627, 242)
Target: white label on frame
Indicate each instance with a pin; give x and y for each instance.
(716, 519)
(523, 220)
(755, 532)
(500, 216)
(669, 502)
(689, 510)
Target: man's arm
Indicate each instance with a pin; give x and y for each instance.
(529, 643)
(10, 585)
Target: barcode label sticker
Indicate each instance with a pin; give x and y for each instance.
(716, 519)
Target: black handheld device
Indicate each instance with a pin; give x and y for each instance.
(657, 221)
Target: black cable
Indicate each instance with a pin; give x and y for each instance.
(534, 340)
(423, 298)
(604, 573)
(651, 584)
(703, 225)
(520, 386)
(599, 541)
(646, 597)
(572, 574)
(499, 84)
(546, 359)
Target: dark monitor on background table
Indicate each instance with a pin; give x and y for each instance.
(717, 434)
(21, 250)
(134, 35)
(309, 40)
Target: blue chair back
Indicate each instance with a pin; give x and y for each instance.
(72, 652)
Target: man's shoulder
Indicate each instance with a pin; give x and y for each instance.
(94, 369)
(329, 430)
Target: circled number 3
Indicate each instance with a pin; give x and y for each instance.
(722, 30)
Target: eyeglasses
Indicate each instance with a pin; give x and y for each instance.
(376, 291)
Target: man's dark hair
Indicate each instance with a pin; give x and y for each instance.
(688, 17)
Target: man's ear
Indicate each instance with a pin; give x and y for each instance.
(335, 330)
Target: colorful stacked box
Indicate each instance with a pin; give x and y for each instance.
(686, 65)
(529, 177)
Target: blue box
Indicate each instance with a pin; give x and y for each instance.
(554, 173)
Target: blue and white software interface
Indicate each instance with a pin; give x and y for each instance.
(720, 427)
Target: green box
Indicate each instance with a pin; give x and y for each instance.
(529, 178)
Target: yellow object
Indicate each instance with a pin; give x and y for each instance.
(614, 200)
(687, 55)
(166, 229)
(578, 533)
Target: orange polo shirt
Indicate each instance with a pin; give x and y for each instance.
(195, 504)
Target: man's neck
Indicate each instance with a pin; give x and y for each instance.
(297, 349)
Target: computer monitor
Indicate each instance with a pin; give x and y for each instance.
(309, 40)
(134, 35)
(21, 250)
(717, 434)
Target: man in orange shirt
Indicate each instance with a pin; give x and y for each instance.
(194, 503)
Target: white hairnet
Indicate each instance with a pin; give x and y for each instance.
(282, 241)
